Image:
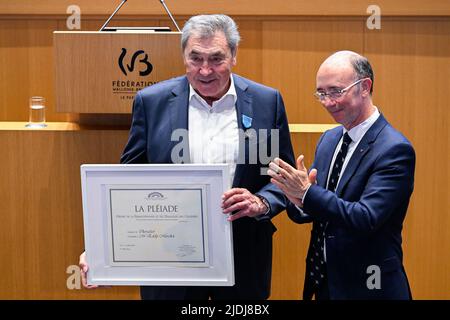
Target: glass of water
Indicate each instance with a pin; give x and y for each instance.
(37, 113)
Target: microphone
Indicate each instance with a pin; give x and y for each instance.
(170, 15)
(113, 14)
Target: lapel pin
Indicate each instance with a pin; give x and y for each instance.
(246, 121)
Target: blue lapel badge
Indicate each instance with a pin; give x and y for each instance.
(246, 121)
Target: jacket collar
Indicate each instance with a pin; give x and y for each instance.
(243, 108)
(361, 150)
(179, 106)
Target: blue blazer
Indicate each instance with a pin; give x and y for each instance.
(365, 215)
(162, 108)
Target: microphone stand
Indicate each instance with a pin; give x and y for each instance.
(114, 13)
(170, 15)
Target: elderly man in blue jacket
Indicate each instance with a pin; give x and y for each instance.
(213, 105)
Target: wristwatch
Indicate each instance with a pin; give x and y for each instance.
(265, 202)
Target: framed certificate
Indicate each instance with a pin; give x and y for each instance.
(157, 224)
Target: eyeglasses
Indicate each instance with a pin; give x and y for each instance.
(336, 94)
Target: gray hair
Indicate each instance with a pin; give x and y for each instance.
(362, 68)
(205, 26)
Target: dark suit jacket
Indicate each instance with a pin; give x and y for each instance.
(160, 109)
(366, 213)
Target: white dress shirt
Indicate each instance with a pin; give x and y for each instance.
(214, 130)
(356, 133)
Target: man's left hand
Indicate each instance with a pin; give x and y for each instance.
(243, 202)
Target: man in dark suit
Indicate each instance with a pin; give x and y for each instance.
(357, 193)
(204, 112)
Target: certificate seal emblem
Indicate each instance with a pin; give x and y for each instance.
(155, 196)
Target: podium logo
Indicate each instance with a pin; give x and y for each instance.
(143, 61)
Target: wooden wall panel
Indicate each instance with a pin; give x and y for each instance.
(41, 233)
(234, 7)
(26, 56)
(291, 240)
(42, 226)
(410, 57)
(292, 53)
(26, 53)
(249, 56)
(412, 70)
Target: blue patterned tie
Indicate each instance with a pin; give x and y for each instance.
(316, 264)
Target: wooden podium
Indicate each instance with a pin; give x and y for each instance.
(100, 72)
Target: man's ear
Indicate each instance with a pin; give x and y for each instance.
(365, 86)
(234, 61)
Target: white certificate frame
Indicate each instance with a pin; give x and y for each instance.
(216, 269)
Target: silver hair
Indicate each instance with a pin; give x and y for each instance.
(205, 26)
(362, 68)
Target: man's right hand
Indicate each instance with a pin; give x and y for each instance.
(84, 269)
(294, 182)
